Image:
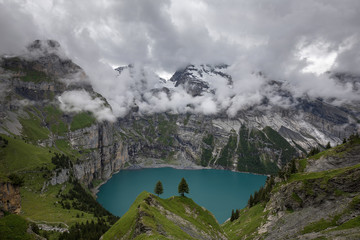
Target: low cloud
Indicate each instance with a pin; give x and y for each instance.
(294, 42)
(80, 100)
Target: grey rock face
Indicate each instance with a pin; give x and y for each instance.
(60, 176)
(108, 153)
(341, 160)
(166, 136)
(330, 199)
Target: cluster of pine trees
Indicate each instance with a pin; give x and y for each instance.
(3, 142)
(263, 195)
(234, 215)
(313, 151)
(16, 180)
(287, 170)
(61, 161)
(88, 230)
(78, 198)
(182, 188)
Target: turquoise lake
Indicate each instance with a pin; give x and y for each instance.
(219, 191)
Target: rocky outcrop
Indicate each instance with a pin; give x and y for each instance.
(337, 159)
(60, 176)
(10, 199)
(319, 202)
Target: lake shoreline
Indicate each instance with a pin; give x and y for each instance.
(217, 191)
(135, 167)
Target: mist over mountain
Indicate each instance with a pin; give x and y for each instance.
(292, 42)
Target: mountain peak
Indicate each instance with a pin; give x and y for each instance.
(197, 79)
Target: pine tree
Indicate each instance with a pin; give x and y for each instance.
(232, 216)
(183, 187)
(237, 214)
(251, 201)
(293, 166)
(159, 188)
(328, 146)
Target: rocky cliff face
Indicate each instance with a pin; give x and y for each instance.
(108, 153)
(10, 199)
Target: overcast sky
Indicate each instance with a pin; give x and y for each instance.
(286, 39)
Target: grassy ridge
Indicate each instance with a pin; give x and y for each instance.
(252, 218)
(21, 156)
(179, 211)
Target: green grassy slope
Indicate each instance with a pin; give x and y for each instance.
(21, 156)
(151, 217)
(34, 164)
(307, 186)
(13, 227)
(82, 120)
(244, 227)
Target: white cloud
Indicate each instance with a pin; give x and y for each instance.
(80, 100)
(273, 37)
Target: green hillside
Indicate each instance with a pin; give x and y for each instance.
(151, 217)
(303, 191)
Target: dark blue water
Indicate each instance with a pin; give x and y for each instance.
(218, 191)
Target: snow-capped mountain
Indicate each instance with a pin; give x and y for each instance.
(197, 79)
